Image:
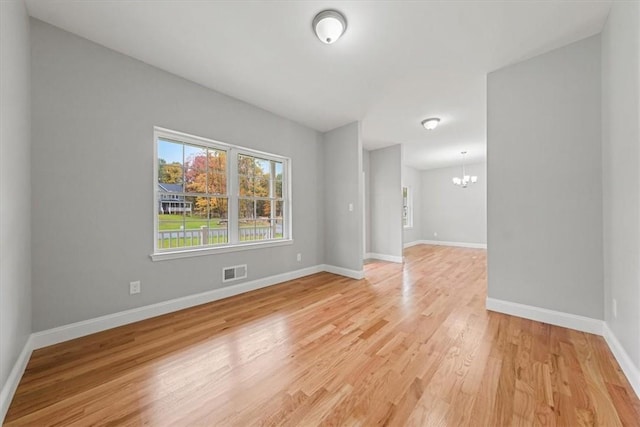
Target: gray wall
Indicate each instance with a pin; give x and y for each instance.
(621, 173)
(385, 192)
(545, 181)
(412, 178)
(456, 214)
(15, 185)
(93, 117)
(343, 235)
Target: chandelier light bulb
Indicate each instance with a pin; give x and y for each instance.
(466, 179)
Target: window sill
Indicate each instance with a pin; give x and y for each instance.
(189, 253)
(408, 227)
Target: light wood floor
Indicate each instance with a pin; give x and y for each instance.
(410, 345)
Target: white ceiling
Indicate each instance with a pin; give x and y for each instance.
(398, 63)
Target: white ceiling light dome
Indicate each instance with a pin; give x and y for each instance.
(431, 123)
(329, 26)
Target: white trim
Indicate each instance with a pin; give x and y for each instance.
(443, 243)
(552, 317)
(102, 323)
(188, 253)
(353, 274)
(11, 384)
(384, 257)
(414, 243)
(631, 371)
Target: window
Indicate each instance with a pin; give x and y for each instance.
(407, 207)
(212, 196)
(261, 202)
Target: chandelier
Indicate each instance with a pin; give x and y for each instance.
(466, 179)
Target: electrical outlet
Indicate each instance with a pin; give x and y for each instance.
(350, 207)
(614, 304)
(134, 287)
(435, 234)
(299, 257)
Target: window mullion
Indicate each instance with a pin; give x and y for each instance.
(272, 202)
(233, 193)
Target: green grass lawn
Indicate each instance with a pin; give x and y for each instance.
(192, 223)
(174, 221)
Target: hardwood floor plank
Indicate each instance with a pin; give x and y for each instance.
(411, 344)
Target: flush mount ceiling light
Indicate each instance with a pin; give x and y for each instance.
(431, 124)
(329, 25)
(466, 179)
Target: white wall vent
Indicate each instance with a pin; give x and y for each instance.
(235, 272)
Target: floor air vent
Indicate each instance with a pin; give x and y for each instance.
(236, 272)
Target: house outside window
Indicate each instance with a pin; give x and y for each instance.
(211, 196)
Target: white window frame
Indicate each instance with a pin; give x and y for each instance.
(232, 196)
(409, 206)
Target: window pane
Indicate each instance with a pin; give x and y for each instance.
(262, 166)
(218, 221)
(218, 231)
(195, 164)
(252, 230)
(217, 183)
(261, 186)
(216, 172)
(217, 160)
(195, 211)
(246, 165)
(246, 223)
(278, 170)
(263, 210)
(278, 226)
(169, 202)
(170, 166)
(279, 220)
(245, 185)
(170, 227)
(279, 208)
(246, 210)
(278, 188)
(206, 224)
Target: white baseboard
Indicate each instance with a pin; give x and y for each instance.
(457, 244)
(631, 371)
(87, 327)
(384, 257)
(579, 323)
(552, 317)
(415, 242)
(353, 274)
(11, 384)
(102, 323)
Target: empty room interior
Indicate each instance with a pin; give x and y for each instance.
(319, 213)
